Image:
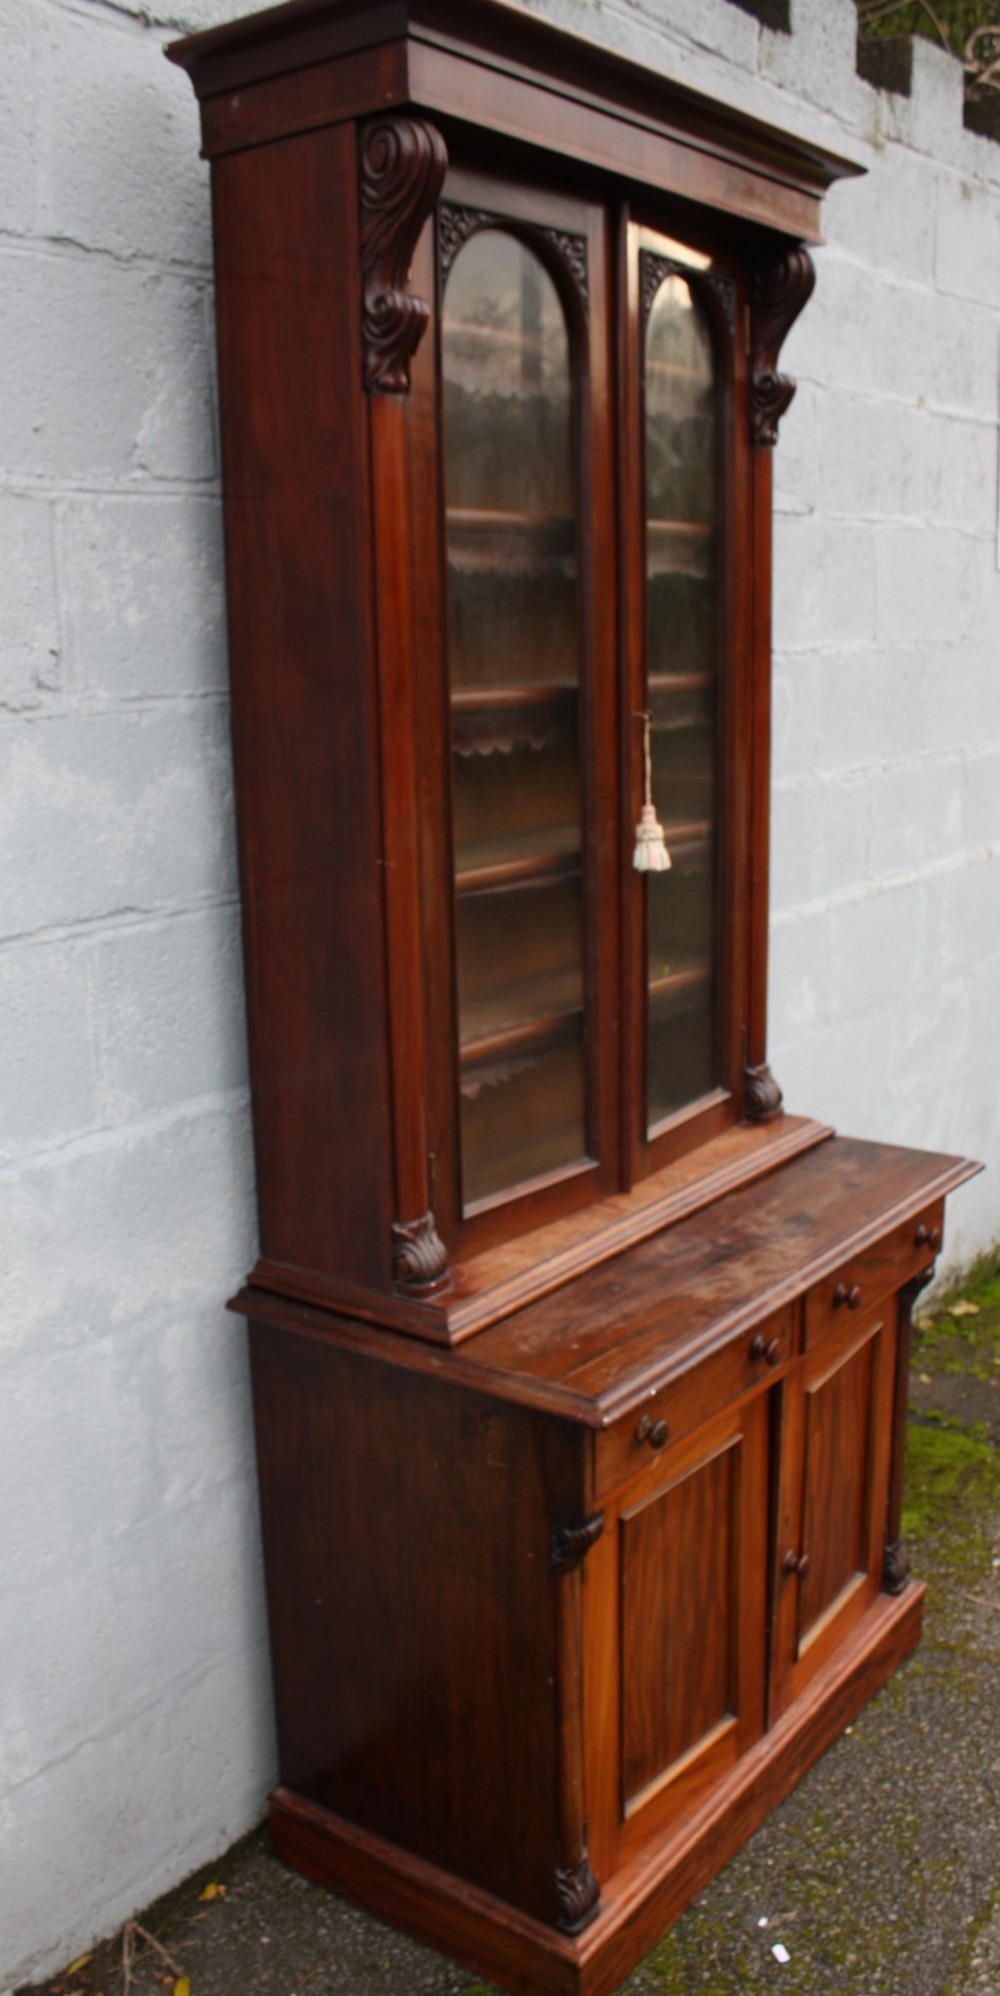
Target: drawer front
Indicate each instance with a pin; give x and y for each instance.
(686, 1403)
(869, 1277)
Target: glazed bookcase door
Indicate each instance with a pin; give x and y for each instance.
(526, 606)
(687, 645)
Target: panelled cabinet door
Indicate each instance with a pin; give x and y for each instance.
(833, 1494)
(680, 1575)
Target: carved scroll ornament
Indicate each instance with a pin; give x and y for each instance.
(762, 1097)
(403, 164)
(782, 285)
(570, 1544)
(577, 1894)
(419, 1255)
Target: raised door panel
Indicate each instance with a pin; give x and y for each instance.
(682, 1568)
(834, 1487)
(679, 1652)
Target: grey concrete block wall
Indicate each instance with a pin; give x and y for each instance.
(134, 1720)
(135, 1734)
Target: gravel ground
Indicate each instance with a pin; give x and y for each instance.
(880, 1876)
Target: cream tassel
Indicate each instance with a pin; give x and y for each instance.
(650, 855)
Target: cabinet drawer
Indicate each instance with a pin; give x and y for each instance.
(867, 1278)
(687, 1402)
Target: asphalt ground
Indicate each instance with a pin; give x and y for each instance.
(880, 1876)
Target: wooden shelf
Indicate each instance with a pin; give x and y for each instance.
(531, 1038)
(680, 700)
(680, 682)
(527, 1015)
(677, 530)
(670, 992)
(679, 547)
(500, 336)
(514, 520)
(536, 693)
(480, 541)
(527, 860)
(685, 837)
(672, 370)
(485, 719)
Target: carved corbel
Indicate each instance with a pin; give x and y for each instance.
(782, 285)
(577, 1894)
(762, 1098)
(419, 1256)
(896, 1559)
(403, 163)
(569, 1544)
(576, 1889)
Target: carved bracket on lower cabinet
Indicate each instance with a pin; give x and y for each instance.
(896, 1559)
(570, 1544)
(403, 163)
(762, 1098)
(577, 1894)
(781, 287)
(419, 1255)
(895, 1568)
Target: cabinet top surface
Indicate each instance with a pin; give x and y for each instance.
(598, 1347)
(497, 36)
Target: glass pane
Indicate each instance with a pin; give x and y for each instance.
(514, 665)
(681, 600)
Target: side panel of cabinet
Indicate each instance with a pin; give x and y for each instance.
(836, 1449)
(296, 482)
(680, 1576)
(416, 1619)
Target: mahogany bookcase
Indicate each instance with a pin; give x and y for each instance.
(579, 1364)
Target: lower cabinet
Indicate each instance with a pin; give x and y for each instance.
(558, 1617)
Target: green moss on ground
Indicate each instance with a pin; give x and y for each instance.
(960, 1332)
(952, 1491)
(950, 1470)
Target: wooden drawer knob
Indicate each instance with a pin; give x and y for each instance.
(852, 1297)
(770, 1352)
(797, 1563)
(928, 1237)
(656, 1433)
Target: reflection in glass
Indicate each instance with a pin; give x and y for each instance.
(681, 597)
(514, 666)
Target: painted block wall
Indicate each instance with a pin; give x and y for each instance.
(135, 1738)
